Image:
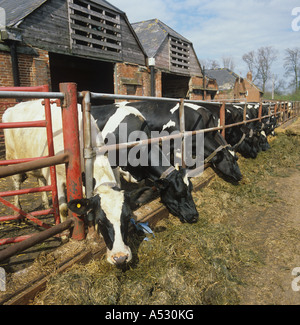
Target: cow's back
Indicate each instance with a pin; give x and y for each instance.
(30, 142)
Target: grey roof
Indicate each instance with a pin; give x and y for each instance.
(225, 78)
(106, 4)
(152, 34)
(16, 10)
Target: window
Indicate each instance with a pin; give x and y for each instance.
(179, 54)
(94, 27)
(131, 89)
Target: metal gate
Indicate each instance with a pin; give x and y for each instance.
(71, 157)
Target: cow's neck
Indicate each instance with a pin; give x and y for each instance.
(103, 172)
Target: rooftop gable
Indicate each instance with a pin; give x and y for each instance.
(16, 10)
(224, 77)
(152, 33)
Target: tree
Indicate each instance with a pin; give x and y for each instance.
(210, 64)
(249, 58)
(292, 66)
(228, 62)
(260, 62)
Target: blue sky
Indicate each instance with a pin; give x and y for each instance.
(220, 28)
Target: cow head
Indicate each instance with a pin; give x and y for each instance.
(225, 161)
(247, 148)
(110, 209)
(175, 193)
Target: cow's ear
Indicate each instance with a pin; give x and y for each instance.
(80, 206)
(140, 196)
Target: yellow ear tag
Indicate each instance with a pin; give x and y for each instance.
(78, 205)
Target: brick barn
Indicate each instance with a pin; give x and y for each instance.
(89, 42)
(176, 71)
(234, 87)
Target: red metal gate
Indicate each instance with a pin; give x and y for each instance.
(47, 123)
(71, 157)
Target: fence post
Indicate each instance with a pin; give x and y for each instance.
(87, 141)
(51, 153)
(260, 111)
(182, 130)
(71, 145)
(280, 110)
(222, 118)
(245, 112)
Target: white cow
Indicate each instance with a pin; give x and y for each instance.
(110, 206)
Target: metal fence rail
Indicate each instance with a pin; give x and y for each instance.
(71, 158)
(47, 123)
(87, 98)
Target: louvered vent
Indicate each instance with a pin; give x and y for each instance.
(179, 54)
(94, 28)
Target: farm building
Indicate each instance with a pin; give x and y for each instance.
(234, 87)
(176, 71)
(254, 94)
(89, 42)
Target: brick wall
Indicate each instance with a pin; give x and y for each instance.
(196, 88)
(6, 76)
(254, 95)
(33, 69)
(131, 79)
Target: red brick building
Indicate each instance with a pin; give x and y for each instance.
(234, 87)
(176, 69)
(92, 43)
(89, 42)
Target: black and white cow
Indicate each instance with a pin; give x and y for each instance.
(246, 139)
(269, 123)
(259, 137)
(162, 116)
(109, 205)
(174, 185)
(242, 137)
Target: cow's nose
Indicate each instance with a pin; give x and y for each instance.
(120, 259)
(194, 219)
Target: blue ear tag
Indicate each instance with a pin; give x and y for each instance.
(143, 226)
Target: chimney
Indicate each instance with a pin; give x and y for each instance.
(249, 76)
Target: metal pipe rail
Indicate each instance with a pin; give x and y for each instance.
(33, 165)
(87, 96)
(31, 95)
(31, 92)
(35, 239)
(70, 157)
(147, 98)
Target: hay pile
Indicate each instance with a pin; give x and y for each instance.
(182, 265)
(203, 263)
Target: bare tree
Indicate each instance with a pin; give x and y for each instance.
(265, 57)
(250, 59)
(292, 66)
(260, 62)
(210, 64)
(228, 62)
